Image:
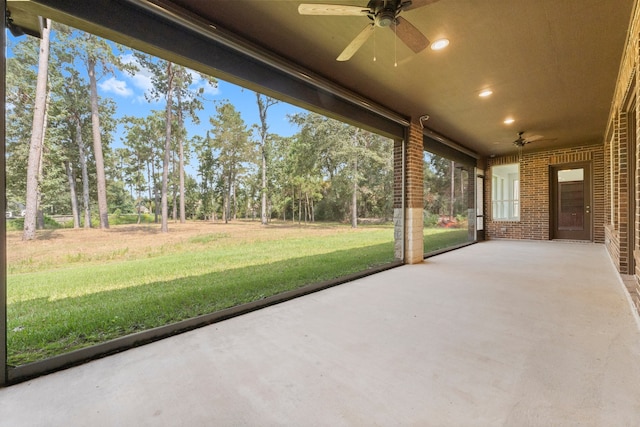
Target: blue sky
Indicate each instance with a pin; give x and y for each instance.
(128, 91)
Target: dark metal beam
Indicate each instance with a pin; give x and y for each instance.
(3, 225)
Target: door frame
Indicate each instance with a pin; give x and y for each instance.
(553, 198)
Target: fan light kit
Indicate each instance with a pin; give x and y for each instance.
(381, 13)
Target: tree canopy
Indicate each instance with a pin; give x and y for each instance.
(97, 162)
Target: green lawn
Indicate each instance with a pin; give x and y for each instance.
(84, 301)
(440, 238)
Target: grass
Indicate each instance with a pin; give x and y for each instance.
(76, 288)
(440, 238)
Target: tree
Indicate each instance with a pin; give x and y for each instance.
(37, 136)
(172, 83)
(188, 103)
(343, 156)
(167, 148)
(137, 156)
(92, 59)
(280, 174)
(438, 184)
(321, 150)
(145, 138)
(21, 76)
(71, 114)
(230, 137)
(364, 157)
(264, 102)
(99, 59)
(208, 172)
(163, 75)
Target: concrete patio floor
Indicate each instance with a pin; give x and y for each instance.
(500, 333)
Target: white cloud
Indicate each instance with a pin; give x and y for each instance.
(209, 89)
(116, 86)
(198, 82)
(141, 78)
(128, 58)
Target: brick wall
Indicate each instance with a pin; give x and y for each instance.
(622, 175)
(415, 167)
(398, 210)
(408, 222)
(414, 226)
(397, 174)
(534, 221)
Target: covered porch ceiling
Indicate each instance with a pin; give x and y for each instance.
(552, 66)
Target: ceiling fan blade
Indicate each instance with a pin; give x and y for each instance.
(332, 10)
(414, 4)
(409, 34)
(533, 138)
(356, 43)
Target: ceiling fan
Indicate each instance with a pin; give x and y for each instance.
(521, 140)
(382, 13)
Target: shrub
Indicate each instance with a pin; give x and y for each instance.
(430, 219)
(18, 224)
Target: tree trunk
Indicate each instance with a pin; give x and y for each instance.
(85, 175)
(235, 202)
(453, 189)
(72, 193)
(40, 212)
(183, 218)
(149, 180)
(174, 192)
(174, 205)
(263, 208)
(263, 106)
(139, 207)
(300, 207)
(225, 204)
(354, 197)
(167, 151)
(307, 208)
(293, 204)
(37, 133)
(156, 199)
(227, 207)
(101, 180)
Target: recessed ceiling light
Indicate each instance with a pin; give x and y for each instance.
(485, 93)
(509, 121)
(439, 44)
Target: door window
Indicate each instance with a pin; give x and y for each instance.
(571, 199)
